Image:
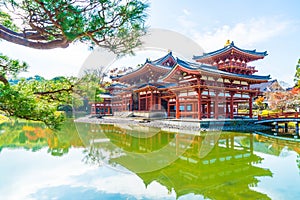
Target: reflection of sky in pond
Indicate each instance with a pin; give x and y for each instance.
(226, 171)
(283, 184)
(41, 176)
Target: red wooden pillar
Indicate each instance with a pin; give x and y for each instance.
(177, 107)
(125, 102)
(151, 100)
(122, 108)
(168, 108)
(216, 105)
(226, 109)
(93, 109)
(159, 101)
(231, 105)
(139, 96)
(203, 108)
(250, 106)
(199, 103)
(208, 108)
(155, 100)
(146, 106)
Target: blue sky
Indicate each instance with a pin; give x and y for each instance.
(271, 26)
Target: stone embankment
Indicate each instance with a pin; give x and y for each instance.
(181, 124)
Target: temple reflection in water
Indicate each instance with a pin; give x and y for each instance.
(218, 165)
(214, 165)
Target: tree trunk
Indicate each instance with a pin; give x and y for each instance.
(33, 44)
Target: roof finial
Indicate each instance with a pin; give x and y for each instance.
(227, 43)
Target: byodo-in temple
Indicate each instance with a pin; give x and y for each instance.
(211, 87)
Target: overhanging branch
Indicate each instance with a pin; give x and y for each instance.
(17, 39)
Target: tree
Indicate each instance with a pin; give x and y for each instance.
(39, 99)
(279, 100)
(31, 100)
(285, 100)
(297, 75)
(46, 24)
(260, 102)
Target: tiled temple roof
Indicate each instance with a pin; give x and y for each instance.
(231, 46)
(156, 63)
(161, 60)
(213, 69)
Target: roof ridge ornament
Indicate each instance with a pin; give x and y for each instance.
(227, 43)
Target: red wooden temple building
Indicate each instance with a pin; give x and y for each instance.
(211, 87)
(103, 107)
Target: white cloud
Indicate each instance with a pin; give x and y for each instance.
(245, 34)
(184, 22)
(186, 11)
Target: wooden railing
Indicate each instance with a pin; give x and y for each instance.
(279, 115)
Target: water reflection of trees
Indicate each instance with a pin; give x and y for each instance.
(227, 170)
(35, 136)
(276, 146)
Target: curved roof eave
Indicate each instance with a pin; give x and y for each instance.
(212, 70)
(161, 60)
(228, 48)
(140, 68)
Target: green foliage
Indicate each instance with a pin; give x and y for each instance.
(45, 24)
(11, 67)
(297, 75)
(21, 102)
(7, 21)
(38, 100)
(112, 24)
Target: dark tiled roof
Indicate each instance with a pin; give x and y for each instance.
(161, 60)
(118, 85)
(213, 69)
(156, 63)
(226, 48)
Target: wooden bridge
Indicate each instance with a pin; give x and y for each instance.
(280, 118)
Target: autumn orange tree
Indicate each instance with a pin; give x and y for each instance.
(285, 100)
(260, 102)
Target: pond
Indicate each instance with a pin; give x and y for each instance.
(94, 161)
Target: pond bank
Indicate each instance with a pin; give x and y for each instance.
(185, 124)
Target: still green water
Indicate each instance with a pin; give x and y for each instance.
(90, 161)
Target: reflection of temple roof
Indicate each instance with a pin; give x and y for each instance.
(223, 172)
(203, 176)
(231, 49)
(136, 137)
